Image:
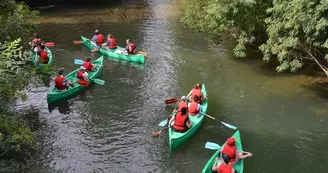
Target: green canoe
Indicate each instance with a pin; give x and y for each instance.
(55, 95)
(137, 58)
(176, 138)
(41, 65)
(239, 166)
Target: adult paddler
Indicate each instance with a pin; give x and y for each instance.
(43, 55)
(97, 39)
(111, 42)
(61, 82)
(230, 149)
(224, 166)
(196, 91)
(181, 121)
(88, 65)
(82, 75)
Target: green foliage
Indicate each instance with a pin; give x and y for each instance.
(14, 71)
(244, 18)
(293, 31)
(297, 31)
(17, 21)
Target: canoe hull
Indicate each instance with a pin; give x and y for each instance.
(176, 139)
(41, 65)
(56, 95)
(239, 166)
(137, 58)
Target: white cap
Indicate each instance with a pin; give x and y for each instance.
(183, 98)
(82, 68)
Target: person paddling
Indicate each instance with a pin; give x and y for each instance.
(35, 40)
(181, 121)
(196, 91)
(111, 42)
(43, 54)
(82, 75)
(97, 39)
(224, 167)
(61, 82)
(194, 107)
(88, 65)
(182, 103)
(231, 150)
(130, 47)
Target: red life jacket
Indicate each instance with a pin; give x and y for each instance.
(112, 43)
(196, 92)
(132, 48)
(100, 39)
(88, 66)
(44, 56)
(36, 40)
(181, 105)
(224, 168)
(59, 83)
(80, 75)
(230, 151)
(193, 109)
(180, 122)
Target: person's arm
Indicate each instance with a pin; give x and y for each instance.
(65, 81)
(215, 166)
(189, 94)
(175, 109)
(232, 170)
(188, 122)
(171, 120)
(85, 76)
(240, 155)
(94, 39)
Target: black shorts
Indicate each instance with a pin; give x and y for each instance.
(180, 131)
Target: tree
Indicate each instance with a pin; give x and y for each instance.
(297, 33)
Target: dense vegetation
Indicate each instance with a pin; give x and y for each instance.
(17, 23)
(293, 32)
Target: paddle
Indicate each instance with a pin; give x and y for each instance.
(215, 146)
(163, 123)
(142, 53)
(77, 42)
(212, 146)
(94, 49)
(99, 81)
(78, 61)
(159, 132)
(226, 124)
(169, 101)
(49, 44)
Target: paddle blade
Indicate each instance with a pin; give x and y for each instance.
(212, 146)
(77, 42)
(94, 49)
(99, 81)
(229, 126)
(169, 101)
(78, 61)
(156, 133)
(142, 53)
(49, 44)
(163, 123)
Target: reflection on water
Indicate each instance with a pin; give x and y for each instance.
(107, 128)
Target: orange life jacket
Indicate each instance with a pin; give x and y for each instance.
(193, 108)
(224, 168)
(88, 66)
(59, 83)
(181, 105)
(112, 43)
(80, 75)
(44, 56)
(100, 39)
(230, 151)
(180, 122)
(196, 92)
(132, 48)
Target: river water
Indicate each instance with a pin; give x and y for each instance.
(108, 128)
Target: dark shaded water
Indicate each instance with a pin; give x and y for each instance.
(108, 128)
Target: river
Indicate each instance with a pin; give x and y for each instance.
(282, 118)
